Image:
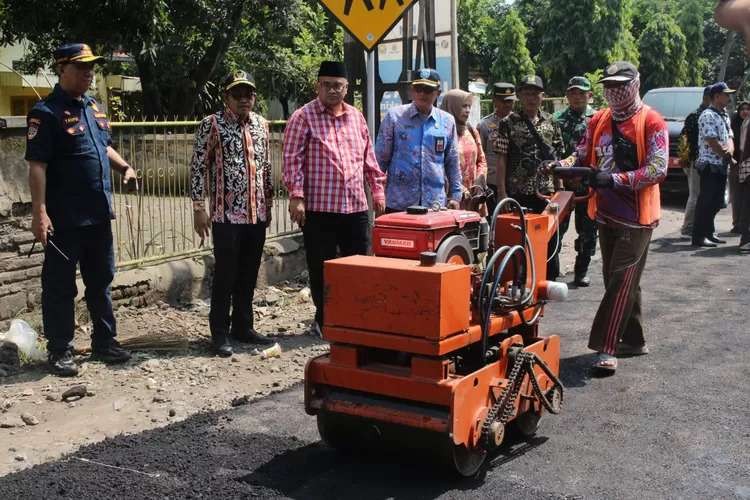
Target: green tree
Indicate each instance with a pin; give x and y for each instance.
(476, 21)
(512, 59)
(285, 64)
(663, 48)
(582, 36)
(691, 18)
(533, 13)
(179, 46)
(596, 89)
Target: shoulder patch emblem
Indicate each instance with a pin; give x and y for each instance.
(33, 130)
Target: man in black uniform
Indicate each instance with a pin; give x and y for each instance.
(69, 152)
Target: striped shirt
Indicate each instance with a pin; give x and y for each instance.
(327, 158)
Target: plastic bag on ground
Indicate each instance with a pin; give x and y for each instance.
(25, 337)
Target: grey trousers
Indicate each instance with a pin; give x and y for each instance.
(694, 187)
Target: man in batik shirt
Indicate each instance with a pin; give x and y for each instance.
(231, 165)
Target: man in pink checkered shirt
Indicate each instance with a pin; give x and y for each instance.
(328, 154)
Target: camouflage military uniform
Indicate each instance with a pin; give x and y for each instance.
(573, 128)
(524, 154)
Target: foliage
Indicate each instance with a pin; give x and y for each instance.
(476, 45)
(285, 64)
(691, 18)
(178, 46)
(662, 46)
(596, 89)
(512, 59)
(583, 36)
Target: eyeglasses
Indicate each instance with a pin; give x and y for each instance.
(240, 93)
(335, 86)
(423, 89)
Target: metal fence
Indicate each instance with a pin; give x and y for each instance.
(157, 222)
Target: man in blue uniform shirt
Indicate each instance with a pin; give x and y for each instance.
(69, 152)
(417, 148)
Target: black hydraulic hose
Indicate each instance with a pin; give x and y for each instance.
(485, 279)
(496, 212)
(488, 308)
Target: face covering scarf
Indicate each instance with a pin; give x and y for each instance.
(624, 100)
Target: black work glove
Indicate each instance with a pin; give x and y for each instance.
(600, 179)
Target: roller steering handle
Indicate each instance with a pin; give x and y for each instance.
(572, 172)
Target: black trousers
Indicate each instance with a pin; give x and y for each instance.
(91, 248)
(585, 244)
(710, 201)
(537, 206)
(743, 215)
(238, 249)
(325, 233)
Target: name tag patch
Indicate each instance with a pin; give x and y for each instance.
(439, 144)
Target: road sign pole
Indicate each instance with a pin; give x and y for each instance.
(454, 45)
(371, 93)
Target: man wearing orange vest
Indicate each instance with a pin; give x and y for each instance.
(627, 147)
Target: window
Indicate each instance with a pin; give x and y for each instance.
(20, 106)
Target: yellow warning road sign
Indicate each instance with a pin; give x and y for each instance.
(367, 20)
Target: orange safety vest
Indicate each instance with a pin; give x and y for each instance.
(649, 202)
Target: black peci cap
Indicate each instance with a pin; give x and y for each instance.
(332, 68)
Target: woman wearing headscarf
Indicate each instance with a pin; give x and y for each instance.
(742, 113)
(471, 156)
(627, 144)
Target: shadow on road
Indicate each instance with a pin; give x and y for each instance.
(316, 471)
(576, 371)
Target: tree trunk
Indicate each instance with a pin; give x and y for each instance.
(728, 46)
(152, 98)
(284, 100)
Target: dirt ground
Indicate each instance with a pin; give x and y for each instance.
(158, 388)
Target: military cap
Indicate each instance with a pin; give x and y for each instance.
(75, 52)
(505, 91)
(579, 82)
(238, 78)
(620, 71)
(426, 76)
(531, 81)
(721, 88)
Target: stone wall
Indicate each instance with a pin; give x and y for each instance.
(173, 281)
(14, 185)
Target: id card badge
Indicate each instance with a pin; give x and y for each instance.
(439, 144)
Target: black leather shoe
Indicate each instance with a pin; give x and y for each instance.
(111, 354)
(714, 239)
(223, 348)
(62, 364)
(582, 280)
(735, 230)
(704, 243)
(252, 337)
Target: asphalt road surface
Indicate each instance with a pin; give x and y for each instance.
(673, 424)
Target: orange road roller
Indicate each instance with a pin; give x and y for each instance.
(437, 334)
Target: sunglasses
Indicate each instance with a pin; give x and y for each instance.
(423, 89)
(240, 93)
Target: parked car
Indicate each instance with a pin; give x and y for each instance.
(674, 104)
